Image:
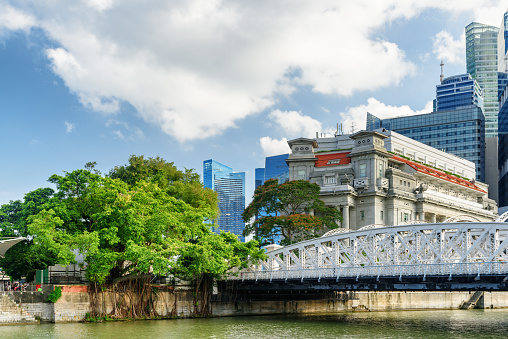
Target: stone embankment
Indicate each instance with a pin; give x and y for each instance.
(74, 304)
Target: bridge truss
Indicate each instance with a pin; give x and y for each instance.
(419, 250)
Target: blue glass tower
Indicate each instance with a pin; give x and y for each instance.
(459, 131)
(275, 168)
(503, 149)
(259, 177)
(458, 91)
(482, 64)
(230, 188)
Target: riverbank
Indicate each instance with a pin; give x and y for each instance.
(74, 304)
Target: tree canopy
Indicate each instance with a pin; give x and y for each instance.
(292, 210)
(146, 217)
(19, 260)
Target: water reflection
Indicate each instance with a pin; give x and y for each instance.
(396, 324)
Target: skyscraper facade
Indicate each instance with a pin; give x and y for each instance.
(502, 45)
(458, 91)
(459, 131)
(482, 64)
(230, 188)
(503, 149)
(275, 168)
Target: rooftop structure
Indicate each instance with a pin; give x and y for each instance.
(458, 91)
(459, 131)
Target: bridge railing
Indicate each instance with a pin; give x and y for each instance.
(423, 270)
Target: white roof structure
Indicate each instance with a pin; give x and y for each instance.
(5, 244)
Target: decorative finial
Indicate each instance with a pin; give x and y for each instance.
(442, 76)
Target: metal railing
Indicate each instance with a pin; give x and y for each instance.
(422, 270)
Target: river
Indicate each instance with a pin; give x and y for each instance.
(396, 324)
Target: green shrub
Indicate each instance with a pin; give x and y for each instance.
(55, 295)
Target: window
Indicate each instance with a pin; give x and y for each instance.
(406, 217)
(382, 215)
(301, 175)
(330, 180)
(362, 215)
(381, 170)
(363, 170)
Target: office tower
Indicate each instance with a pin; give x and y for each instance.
(259, 177)
(503, 149)
(459, 131)
(502, 45)
(230, 188)
(458, 91)
(275, 168)
(481, 59)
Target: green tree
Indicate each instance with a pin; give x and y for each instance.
(146, 217)
(19, 260)
(292, 210)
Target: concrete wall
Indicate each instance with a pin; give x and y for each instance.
(13, 313)
(72, 305)
(75, 303)
(366, 301)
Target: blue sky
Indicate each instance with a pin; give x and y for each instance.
(99, 80)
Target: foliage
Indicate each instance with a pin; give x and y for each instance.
(146, 217)
(19, 260)
(285, 210)
(142, 219)
(55, 295)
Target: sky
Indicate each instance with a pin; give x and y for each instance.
(191, 80)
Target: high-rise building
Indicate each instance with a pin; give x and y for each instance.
(275, 168)
(482, 64)
(259, 177)
(460, 132)
(230, 188)
(502, 45)
(503, 149)
(458, 91)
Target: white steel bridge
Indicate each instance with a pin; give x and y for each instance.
(460, 251)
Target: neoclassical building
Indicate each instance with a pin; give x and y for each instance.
(373, 185)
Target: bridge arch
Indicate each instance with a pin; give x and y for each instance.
(503, 217)
(462, 218)
(414, 250)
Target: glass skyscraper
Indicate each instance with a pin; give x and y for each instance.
(230, 188)
(275, 168)
(459, 131)
(458, 91)
(503, 149)
(482, 64)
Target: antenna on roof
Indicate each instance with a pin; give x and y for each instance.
(442, 76)
(352, 127)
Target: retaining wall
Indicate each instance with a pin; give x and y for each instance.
(75, 303)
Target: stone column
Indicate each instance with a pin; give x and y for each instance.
(345, 217)
(433, 217)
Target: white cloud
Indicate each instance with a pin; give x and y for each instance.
(295, 124)
(119, 134)
(274, 146)
(13, 19)
(196, 67)
(69, 127)
(100, 5)
(126, 131)
(357, 116)
(449, 50)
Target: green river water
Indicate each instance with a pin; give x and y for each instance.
(397, 324)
